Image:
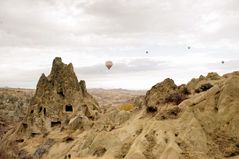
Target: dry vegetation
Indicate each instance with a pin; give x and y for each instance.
(127, 107)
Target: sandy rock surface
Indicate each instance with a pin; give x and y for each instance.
(183, 123)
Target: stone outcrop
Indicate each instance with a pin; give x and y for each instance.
(211, 78)
(158, 92)
(59, 97)
(13, 107)
(165, 92)
(203, 125)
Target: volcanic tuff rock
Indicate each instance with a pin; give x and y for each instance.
(13, 107)
(195, 83)
(203, 125)
(158, 92)
(58, 98)
(165, 92)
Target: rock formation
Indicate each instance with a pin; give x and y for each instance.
(58, 100)
(165, 92)
(13, 107)
(158, 92)
(195, 83)
(174, 122)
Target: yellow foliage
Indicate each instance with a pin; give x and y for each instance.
(127, 107)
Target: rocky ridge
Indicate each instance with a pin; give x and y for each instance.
(192, 121)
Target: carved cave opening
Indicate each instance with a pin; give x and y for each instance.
(55, 123)
(69, 108)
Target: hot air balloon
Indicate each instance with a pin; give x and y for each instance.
(108, 64)
(223, 62)
(189, 47)
(147, 52)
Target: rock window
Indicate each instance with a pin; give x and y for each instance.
(44, 111)
(68, 108)
(20, 140)
(25, 125)
(33, 134)
(55, 123)
(40, 109)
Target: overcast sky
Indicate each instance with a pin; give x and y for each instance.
(89, 32)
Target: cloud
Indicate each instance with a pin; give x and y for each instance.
(72, 23)
(125, 67)
(229, 65)
(89, 32)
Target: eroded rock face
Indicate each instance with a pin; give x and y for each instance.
(163, 93)
(203, 126)
(158, 92)
(211, 78)
(58, 98)
(13, 107)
